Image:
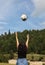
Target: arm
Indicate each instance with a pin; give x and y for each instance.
(27, 40)
(17, 41)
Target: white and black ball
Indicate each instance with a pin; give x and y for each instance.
(24, 17)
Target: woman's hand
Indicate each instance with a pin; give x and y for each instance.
(17, 41)
(28, 36)
(27, 40)
(16, 33)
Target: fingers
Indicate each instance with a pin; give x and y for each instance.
(27, 35)
(16, 33)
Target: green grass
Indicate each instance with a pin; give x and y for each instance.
(29, 56)
(36, 56)
(6, 64)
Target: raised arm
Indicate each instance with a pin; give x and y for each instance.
(17, 41)
(27, 40)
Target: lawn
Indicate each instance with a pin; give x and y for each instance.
(6, 64)
(35, 56)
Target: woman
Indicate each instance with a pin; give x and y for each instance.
(22, 51)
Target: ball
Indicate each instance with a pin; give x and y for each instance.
(24, 17)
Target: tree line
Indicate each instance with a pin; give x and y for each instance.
(36, 41)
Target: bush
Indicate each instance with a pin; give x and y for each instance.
(4, 57)
(43, 64)
(43, 52)
(11, 54)
(32, 58)
(40, 59)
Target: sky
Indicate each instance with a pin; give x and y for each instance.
(11, 11)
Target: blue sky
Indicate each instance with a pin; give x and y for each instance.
(11, 11)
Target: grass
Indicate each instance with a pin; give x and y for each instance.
(6, 64)
(43, 64)
(35, 56)
(29, 57)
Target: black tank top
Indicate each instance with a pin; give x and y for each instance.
(22, 51)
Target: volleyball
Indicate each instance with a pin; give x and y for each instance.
(24, 17)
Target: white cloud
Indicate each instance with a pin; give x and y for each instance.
(11, 7)
(3, 23)
(43, 23)
(2, 18)
(1, 27)
(4, 8)
(39, 7)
